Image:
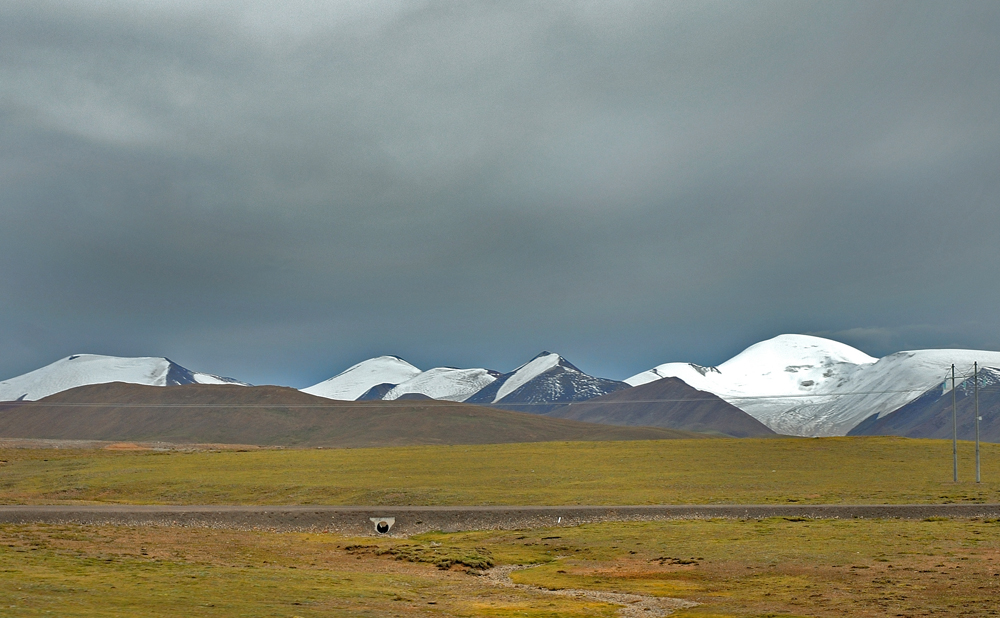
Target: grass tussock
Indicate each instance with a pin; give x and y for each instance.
(477, 558)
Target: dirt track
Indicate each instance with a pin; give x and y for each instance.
(355, 520)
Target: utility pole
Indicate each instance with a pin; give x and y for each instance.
(976, 369)
(954, 427)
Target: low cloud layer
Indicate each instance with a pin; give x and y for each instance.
(275, 191)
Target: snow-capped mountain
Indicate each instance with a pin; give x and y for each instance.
(546, 379)
(84, 369)
(357, 380)
(445, 383)
(810, 386)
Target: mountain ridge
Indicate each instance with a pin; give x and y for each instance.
(670, 403)
(274, 415)
(795, 384)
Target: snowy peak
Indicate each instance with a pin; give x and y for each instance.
(796, 350)
(791, 365)
(357, 380)
(83, 369)
(527, 372)
(546, 379)
(446, 383)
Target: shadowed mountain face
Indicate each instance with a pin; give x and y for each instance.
(272, 415)
(931, 416)
(546, 382)
(668, 403)
(376, 392)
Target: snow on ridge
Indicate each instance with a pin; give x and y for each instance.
(527, 372)
(358, 379)
(684, 371)
(85, 369)
(211, 378)
(444, 383)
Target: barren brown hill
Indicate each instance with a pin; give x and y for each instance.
(273, 415)
(670, 403)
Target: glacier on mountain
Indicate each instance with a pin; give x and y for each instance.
(811, 386)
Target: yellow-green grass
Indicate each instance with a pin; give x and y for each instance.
(746, 471)
(777, 566)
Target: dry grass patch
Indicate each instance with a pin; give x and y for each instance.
(174, 572)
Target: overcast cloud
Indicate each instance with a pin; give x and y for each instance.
(277, 190)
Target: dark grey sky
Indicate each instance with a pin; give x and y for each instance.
(276, 190)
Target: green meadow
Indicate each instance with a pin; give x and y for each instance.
(728, 568)
(881, 470)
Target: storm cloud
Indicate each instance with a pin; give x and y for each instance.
(276, 190)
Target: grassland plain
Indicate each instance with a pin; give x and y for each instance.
(750, 568)
(878, 470)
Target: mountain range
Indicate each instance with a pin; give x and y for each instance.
(790, 384)
(810, 386)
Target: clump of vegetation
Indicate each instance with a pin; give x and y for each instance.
(674, 561)
(443, 557)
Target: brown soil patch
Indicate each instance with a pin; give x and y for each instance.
(126, 446)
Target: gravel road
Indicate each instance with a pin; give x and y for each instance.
(407, 520)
